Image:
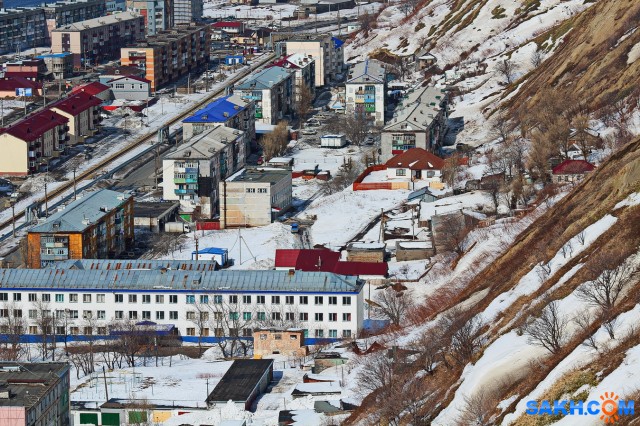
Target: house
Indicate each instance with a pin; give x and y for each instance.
(152, 215)
(130, 88)
(214, 254)
(422, 195)
(414, 250)
(270, 341)
(326, 6)
(328, 261)
(97, 89)
(112, 290)
(98, 225)
(426, 61)
(99, 39)
(227, 27)
(326, 51)
(492, 182)
(83, 112)
(360, 251)
(31, 69)
(112, 72)
(192, 173)
(572, 171)
(29, 144)
(188, 45)
(254, 197)
(303, 390)
(272, 91)
(243, 382)
(59, 65)
(419, 122)
(231, 111)
(415, 164)
(12, 87)
(34, 393)
(304, 70)
(366, 90)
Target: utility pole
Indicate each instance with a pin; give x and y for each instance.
(74, 183)
(381, 236)
(106, 390)
(156, 165)
(240, 243)
(46, 200)
(13, 217)
(195, 236)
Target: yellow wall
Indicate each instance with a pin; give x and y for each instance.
(13, 161)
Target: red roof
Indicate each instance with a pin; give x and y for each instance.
(93, 88)
(573, 167)
(132, 77)
(326, 261)
(227, 24)
(77, 103)
(35, 125)
(12, 83)
(416, 159)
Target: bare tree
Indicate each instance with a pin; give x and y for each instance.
(451, 231)
(549, 330)
(232, 324)
(537, 58)
(580, 123)
(379, 371)
(392, 305)
(304, 101)
(464, 335)
(12, 325)
(199, 315)
(452, 169)
(347, 174)
(507, 69)
(479, 407)
(543, 269)
(542, 149)
(367, 22)
(581, 237)
(584, 321)
(609, 322)
(275, 143)
(430, 346)
(605, 290)
(45, 321)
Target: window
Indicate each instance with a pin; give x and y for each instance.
(304, 316)
(87, 331)
(319, 317)
(430, 173)
(73, 314)
(304, 300)
(191, 331)
(333, 333)
(33, 314)
(333, 300)
(262, 316)
(46, 297)
(204, 298)
(275, 316)
(262, 190)
(87, 314)
(346, 317)
(33, 329)
(263, 337)
(146, 315)
(102, 315)
(59, 298)
(159, 315)
(293, 337)
(233, 299)
(218, 332)
(4, 313)
(146, 298)
(133, 298)
(261, 300)
(133, 315)
(33, 297)
(333, 316)
(191, 299)
(288, 300)
(86, 298)
(100, 298)
(204, 332)
(73, 298)
(173, 298)
(247, 332)
(234, 315)
(277, 336)
(246, 299)
(290, 316)
(275, 300)
(18, 313)
(159, 298)
(4, 297)
(173, 315)
(102, 331)
(251, 190)
(217, 299)
(191, 316)
(17, 297)
(119, 314)
(346, 300)
(401, 172)
(246, 316)
(119, 298)
(318, 300)
(319, 333)
(346, 333)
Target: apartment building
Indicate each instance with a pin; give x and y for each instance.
(231, 111)
(194, 301)
(83, 112)
(98, 225)
(32, 69)
(29, 144)
(420, 121)
(169, 55)
(67, 12)
(192, 173)
(271, 90)
(114, 6)
(304, 70)
(158, 14)
(22, 28)
(34, 393)
(100, 39)
(187, 11)
(326, 51)
(254, 197)
(366, 88)
(59, 65)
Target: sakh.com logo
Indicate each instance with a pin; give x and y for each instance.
(609, 408)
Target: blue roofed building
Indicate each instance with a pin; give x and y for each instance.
(60, 65)
(272, 91)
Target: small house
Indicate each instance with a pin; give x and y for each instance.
(366, 252)
(572, 171)
(415, 164)
(425, 61)
(245, 380)
(220, 255)
(414, 250)
(153, 215)
(271, 341)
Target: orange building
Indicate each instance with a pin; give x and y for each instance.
(96, 226)
(169, 55)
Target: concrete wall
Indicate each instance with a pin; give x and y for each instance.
(14, 160)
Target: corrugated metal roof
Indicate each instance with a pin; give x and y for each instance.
(202, 281)
(216, 110)
(118, 264)
(265, 79)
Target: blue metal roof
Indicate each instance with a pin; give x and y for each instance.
(265, 79)
(215, 112)
(337, 42)
(54, 55)
(211, 250)
(178, 280)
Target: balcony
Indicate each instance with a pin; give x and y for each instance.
(185, 180)
(185, 191)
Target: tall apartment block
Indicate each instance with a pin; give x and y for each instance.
(67, 12)
(187, 11)
(22, 28)
(158, 14)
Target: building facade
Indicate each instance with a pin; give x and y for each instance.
(326, 51)
(196, 301)
(22, 28)
(36, 393)
(99, 39)
(254, 197)
(83, 112)
(419, 122)
(304, 69)
(187, 11)
(272, 91)
(29, 144)
(59, 65)
(67, 12)
(169, 55)
(271, 341)
(192, 173)
(366, 90)
(158, 14)
(130, 88)
(98, 226)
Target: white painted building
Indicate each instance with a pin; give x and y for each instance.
(96, 296)
(366, 90)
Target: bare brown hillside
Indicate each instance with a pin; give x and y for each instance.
(590, 65)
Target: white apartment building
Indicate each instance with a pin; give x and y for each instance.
(326, 51)
(200, 304)
(366, 90)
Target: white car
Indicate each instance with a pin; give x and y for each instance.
(309, 131)
(313, 123)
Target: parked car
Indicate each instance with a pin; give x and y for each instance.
(294, 228)
(309, 131)
(313, 123)
(369, 140)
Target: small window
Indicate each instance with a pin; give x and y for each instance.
(262, 190)
(119, 314)
(263, 337)
(304, 316)
(304, 300)
(59, 298)
(119, 298)
(401, 172)
(277, 336)
(173, 315)
(346, 300)
(262, 316)
(293, 337)
(86, 298)
(33, 297)
(73, 298)
(233, 299)
(159, 298)
(275, 300)
(101, 315)
(318, 300)
(100, 298)
(333, 317)
(4, 297)
(333, 300)
(133, 315)
(246, 316)
(191, 299)
(159, 315)
(204, 299)
(251, 190)
(146, 315)
(333, 333)
(173, 298)
(217, 299)
(246, 299)
(133, 298)
(288, 300)
(261, 300)
(346, 333)
(46, 297)
(346, 317)
(146, 298)
(319, 317)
